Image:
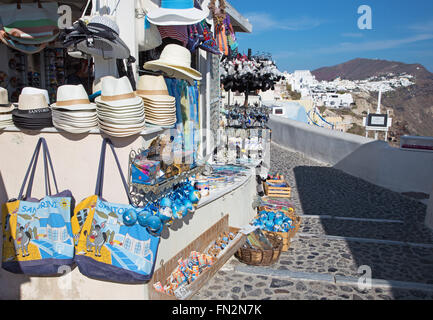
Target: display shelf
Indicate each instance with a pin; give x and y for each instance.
(200, 244)
(147, 131)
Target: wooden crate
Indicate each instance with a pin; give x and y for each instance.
(200, 244)
(277, 192)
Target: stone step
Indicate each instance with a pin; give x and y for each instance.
(229, 285)
(343, 258)
(404, 232)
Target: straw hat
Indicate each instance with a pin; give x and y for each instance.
(33, 112)
(120, 112)
(154, 88)
(117, 93)
(73, 97)
(5, 106)
(175, 61)
(32, 90)
(73, 111)
(177, 12)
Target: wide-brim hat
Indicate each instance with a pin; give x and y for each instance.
(175, 62)
(34, 41)
(177, 12)
(72, 97)
(24, 48)
(109, 47)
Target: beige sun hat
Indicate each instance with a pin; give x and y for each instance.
(117, 93)
(72, 97)
(35, 101)
(175, 62)
(32, 90)
(154, 88)
(5, 105)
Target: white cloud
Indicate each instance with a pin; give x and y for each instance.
(352, 35)
(266, 22)
(423, 27)
(373, 45)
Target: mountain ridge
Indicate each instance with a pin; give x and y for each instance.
(412, 106)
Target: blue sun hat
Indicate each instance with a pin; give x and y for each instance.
(129, 217)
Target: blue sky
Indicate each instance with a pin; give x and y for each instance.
(311, 34)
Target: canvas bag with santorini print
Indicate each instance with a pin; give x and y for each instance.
(37, 234)
(105, 248)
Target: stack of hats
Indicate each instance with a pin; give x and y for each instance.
(73, 111)
(5, 109)
(33, 112)
(159, 106)
(120, 112)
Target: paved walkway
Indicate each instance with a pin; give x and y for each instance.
(349, 225)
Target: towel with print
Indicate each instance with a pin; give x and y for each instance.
(37, 235)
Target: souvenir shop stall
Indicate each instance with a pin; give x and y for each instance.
(107, 183)
(243, 136)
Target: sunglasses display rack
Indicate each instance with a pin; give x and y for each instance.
(54, 66)
(254, 116)
(16, 74)
(142, 194)
(242, 146)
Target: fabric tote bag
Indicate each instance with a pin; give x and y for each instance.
(106, 248)
(37, 233)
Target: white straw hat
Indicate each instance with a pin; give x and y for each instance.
(117, 93)
(175, 61)
(73, 97)
(36, 101)
(177, 12)
(31, 90)
(5, 105)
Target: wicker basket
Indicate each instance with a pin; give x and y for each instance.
(258, 257)
(286, 236)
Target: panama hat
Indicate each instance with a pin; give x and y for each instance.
(24, 48)
(176, 12)
(120, 112)
(32, 90)
(153, 88)
(175, 61)
(32, 113)
(117, 93)
(5, 106)
(72, 97)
